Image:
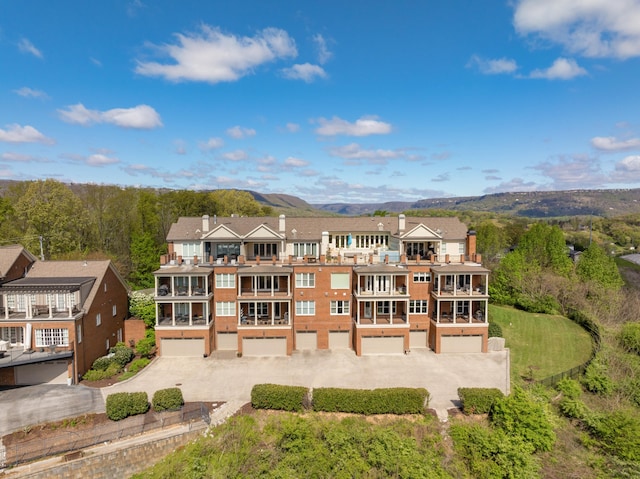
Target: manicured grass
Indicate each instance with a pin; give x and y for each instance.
(541, 343)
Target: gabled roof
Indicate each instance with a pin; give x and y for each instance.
(9, 255)
(311, 229)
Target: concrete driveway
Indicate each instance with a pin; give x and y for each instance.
(214, 379)
(31, 405)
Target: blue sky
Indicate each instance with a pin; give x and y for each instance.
(329, 101)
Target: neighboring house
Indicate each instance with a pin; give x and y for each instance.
(57, 317)
(269, 286)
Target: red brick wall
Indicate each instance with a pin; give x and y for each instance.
(134, 330)
(7, 377)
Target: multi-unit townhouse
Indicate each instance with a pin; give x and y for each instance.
(56, 317)
(269, 286)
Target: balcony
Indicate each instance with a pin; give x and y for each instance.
(39, 312)
(446, 317)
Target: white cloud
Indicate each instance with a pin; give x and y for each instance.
(99, 159)
(627, 170)
(23, 134)
(30, 93)
(237, 155)
(570, 172)
(139, 117)
(21, 158)
(305, 71)
(513, 185)
(593, 28)
(324, 55)
(610, 143)
(212, 144)
(212, 56)
(239, 132)
(354, 151)
(295, 162)
(292, 127)
(362, 127)
(25, 46)
(562, 69)
(495, 66)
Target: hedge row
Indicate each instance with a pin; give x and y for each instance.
(274, 396)
(122, 405)
(359, 401)
(375, 401)
(478, 400)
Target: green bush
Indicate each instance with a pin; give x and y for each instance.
(167, 399)
(121, 354)
(570, 388)
(137, 364)
(376, 401)
(618, 433)
(573, 408)
(630, 337)
(522, 415)
(102, 363)
(495, 330)
(122, 405)
(145, 346)
(98, 374)
(596, 378)
(478, 400)
(274, 396)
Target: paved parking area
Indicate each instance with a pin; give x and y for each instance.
(214, 379)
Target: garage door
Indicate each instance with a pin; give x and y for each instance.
(418, 339)
(383, 345)
(339, 340)
(53, 372)
(227, 342)
(306, 340)
(182, 347)
(461, 344)
(264, 346)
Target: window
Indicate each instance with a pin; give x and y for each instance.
(305, 308)
(114, 310)
(189, 250)
(13, 334)
(226, 308)
(421, 277)
(461, 248)
(225, 280)
(384, 307)
(265, 250)
(339, 280)
(98, 319)
(258, 309)
(119, 335)
(339, 307)
(106, 343)
(418, 306)
(302, 249)
(79, 333)
(305, 280)
(52, 337)
(230, 250)
(265, 283)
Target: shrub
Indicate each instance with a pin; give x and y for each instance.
(274, 396)
(142, 306)
(495, 330)
(121, 354)
(122, 405)
(97, 374)
(618, 433)
(570, 388)
(137, 364)
(145, 346)
(478, 400)
(521, 415)
(102, 363)
(573, 408)
(167, 399)
(630, 337)
(376, 401)
(596, 379)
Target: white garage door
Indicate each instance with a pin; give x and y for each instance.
(461, 344)
(418, 339)
(182, 347)
(306, 340)
(264, 346)
(53, 372)
(339, 340)
(227, 342)
(383, 345)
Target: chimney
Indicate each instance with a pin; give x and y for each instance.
(401, 222)
(281, 224)
(205, 223)
(471, 243)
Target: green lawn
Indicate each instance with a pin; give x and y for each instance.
(548, 344)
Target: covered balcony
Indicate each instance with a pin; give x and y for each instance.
(461, 311)
(43, 298)
(460, 280)
(382, 313)
(264, 313)
(422, 249)
(264, 281)
(183, 285)
(183, 314)
(381, 280)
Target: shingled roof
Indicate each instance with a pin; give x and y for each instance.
(310, 229)
(9, 255)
